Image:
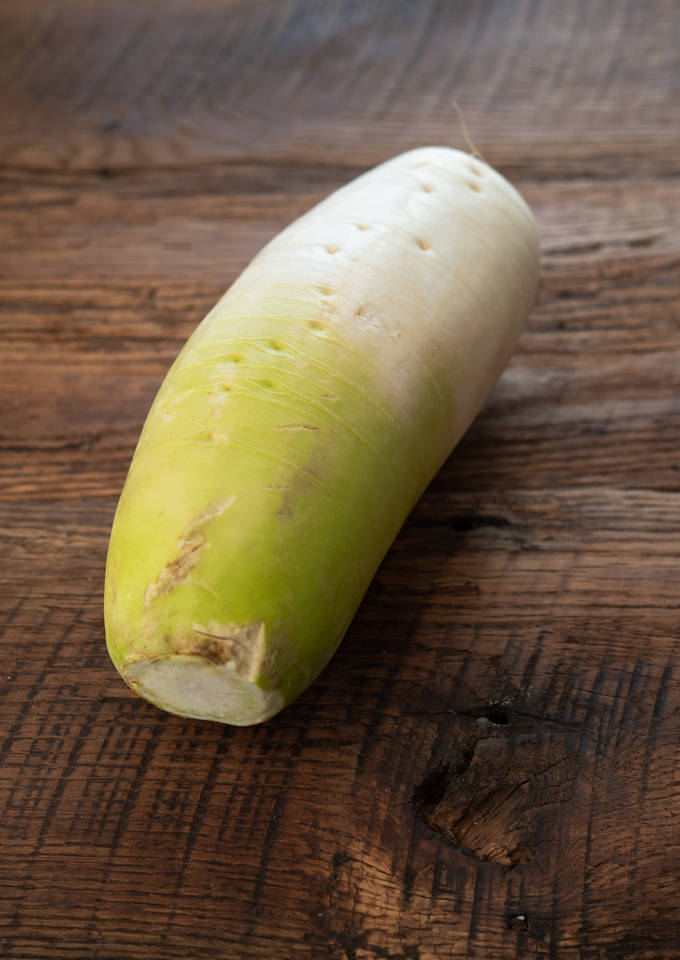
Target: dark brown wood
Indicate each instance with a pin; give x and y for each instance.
(488, 767)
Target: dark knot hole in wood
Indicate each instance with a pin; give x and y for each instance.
(502, 795)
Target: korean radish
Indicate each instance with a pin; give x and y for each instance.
(301, 423)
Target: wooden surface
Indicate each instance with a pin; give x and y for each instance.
(489, 767)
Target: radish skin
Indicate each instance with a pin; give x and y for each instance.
(301, 423)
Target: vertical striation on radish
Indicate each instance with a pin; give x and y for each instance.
(301, 423)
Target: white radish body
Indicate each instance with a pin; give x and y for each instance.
(300, 425)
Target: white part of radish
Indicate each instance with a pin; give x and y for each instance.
(411, 244)
(193, 688)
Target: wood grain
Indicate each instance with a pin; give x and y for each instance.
(571, 86)
(489, 766)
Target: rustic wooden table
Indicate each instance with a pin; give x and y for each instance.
(488, 767)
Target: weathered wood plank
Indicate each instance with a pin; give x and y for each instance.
(517, 607)
(591, 396)
(98, 300)
(206, 225)
(559, 87)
